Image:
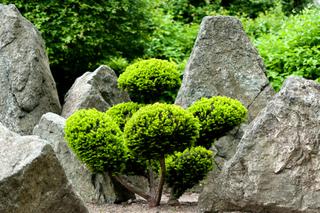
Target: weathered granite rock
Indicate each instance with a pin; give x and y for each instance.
(32, 179)
(277, 164)
(224, 62)
(27, 87)
(95, 188)
(96, 89)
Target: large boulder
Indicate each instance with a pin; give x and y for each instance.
(96, 188)
(98, 89)
(27, 87)
(277, 164)
(31, 177)
(224, 62)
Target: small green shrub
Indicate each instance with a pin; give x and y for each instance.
(148, 81)
(186, 169)
(217, 115)
(121, 113)
(96, 140)
(160, 129)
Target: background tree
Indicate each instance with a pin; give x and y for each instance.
(82, 34)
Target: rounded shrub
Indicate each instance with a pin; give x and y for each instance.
(148, 81)
(96, 140)
(186, 169)
(217, 115)
(159, 129)
(121, 113)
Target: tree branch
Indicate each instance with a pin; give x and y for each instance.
(132, 188)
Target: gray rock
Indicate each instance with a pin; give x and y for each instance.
(224, 62)
(95, 188)
(277, 164)
(32, 179)
(96, 89)
(27, 87)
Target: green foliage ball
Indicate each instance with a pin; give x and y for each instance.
(217, 115)
(148, 81)
(96, 140)
(121, 113)
(186, 169)
(160, 129)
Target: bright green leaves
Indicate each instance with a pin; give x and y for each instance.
(217, 115)
(147, 81)
(185, 169)
(160, 129)
(121, 113)
(96, 140)
(293, 48)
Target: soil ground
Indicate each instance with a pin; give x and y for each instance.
(188, 204)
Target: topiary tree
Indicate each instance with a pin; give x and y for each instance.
(186, 169)
(148, 81)
(156, 131)
(122, 112)
(153, 132)
(217, 115)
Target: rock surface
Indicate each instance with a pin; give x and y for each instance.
(224, 62)
(32, 179)
(277, 164)
(96, 89)
(94, 188)
(27, 87)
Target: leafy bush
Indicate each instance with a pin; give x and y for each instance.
(188, 11)
(171, 40)
(217, 115)
(79, 34)
(160, 129)
(121, 113)
(151, 80)
(293, 49)
(96, 140)
(186, 169)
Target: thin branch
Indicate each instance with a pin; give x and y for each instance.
(132, 188)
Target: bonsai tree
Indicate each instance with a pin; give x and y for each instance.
(151, 80)
(217, 115)
(156, 131)
(152, 133)
(186, 169)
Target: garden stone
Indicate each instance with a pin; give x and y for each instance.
(32, 179)
(27, 87)
(223, 62)
(96, 89)
(277, 164)
(96, 188)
